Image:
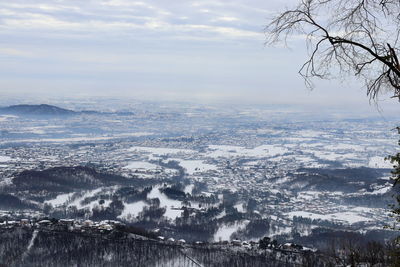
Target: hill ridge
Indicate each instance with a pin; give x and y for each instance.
(38, 109)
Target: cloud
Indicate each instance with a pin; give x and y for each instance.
(125, 16)
(15, 52)
(226, 18)
(209, 49)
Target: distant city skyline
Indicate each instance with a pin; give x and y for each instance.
(200, 51)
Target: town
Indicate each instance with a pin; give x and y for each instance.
(231, 176)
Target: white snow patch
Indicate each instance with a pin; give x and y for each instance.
(172, 206)
(87, 194)
(364, 210)
(193, 166)
(160, 151)
(310, 133)
(76, 139)
(333, 156)
(225, 231)
(132, 209)
(349, 217)
(240, 207)
(189, 189)
(308, 195)
(136, 165)
(343, 146)
(31, 242)
(382, 190)
(5, 181)
(238, 151)
(379, 162)
(5, 159)
(60, 200)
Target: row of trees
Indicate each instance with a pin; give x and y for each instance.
(63, 248)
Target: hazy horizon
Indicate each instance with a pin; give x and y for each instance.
(205, 52)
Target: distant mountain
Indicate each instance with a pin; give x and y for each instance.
(50, 110)
(41, 110)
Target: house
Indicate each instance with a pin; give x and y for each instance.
(236, 242)
(24, 222)
(44, 222)
(67, 222)
(88, 223)
(105, 226)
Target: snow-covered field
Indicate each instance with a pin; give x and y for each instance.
(137, 165)
(225, 231)
(346, 217)
(173, 206)
(81, 138)
(60, 200)
(160, 151)
(132, 209)
(379, 162)
(193, 166)
(5, 159)
(304, 154)
(76, 199)
(217, 151)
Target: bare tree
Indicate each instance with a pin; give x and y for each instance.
(359, 37)
(346, 36)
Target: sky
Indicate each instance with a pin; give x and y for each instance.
(205, 51)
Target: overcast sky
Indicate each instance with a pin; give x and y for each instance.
(209, 51)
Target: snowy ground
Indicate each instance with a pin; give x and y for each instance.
(194, 166)
(139, 165)
(132, 209)
(304, 154)
(160, 151)
(76, 199)
(5, 159)
(80, 138)
(217, 151)
(171, 205)
(225, 231)
(346, 217)
(379, 162)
